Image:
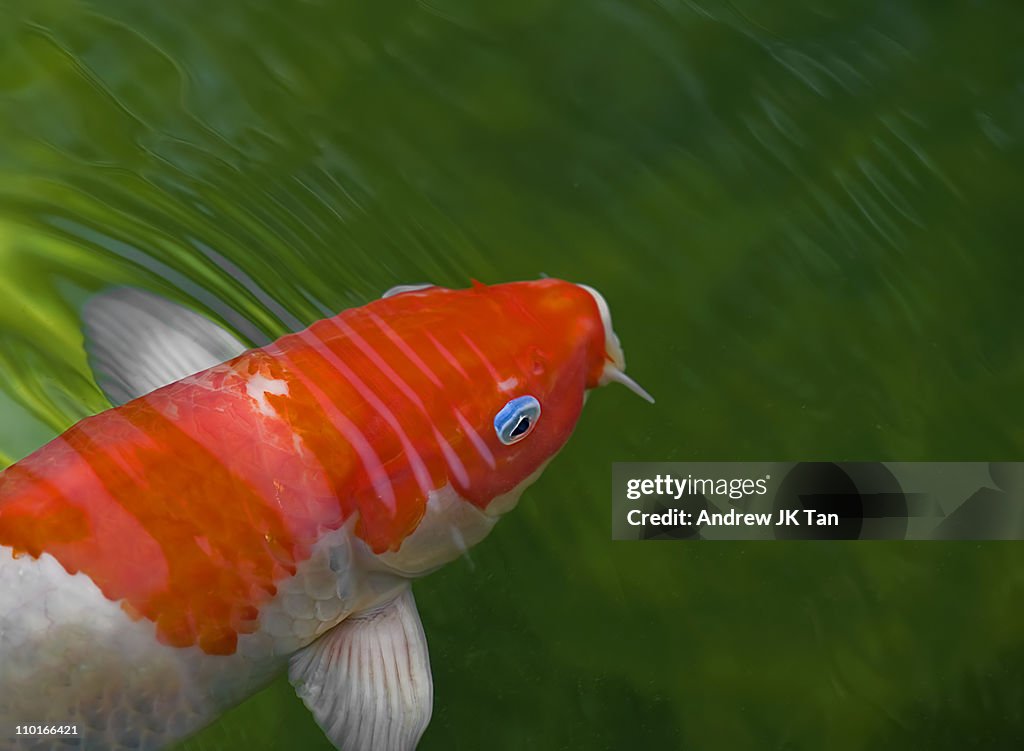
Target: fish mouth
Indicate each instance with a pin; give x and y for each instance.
(615, 366)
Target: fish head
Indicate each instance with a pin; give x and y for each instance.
(540, 346)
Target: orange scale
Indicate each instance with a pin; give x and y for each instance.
(219, 642)
(173, 628)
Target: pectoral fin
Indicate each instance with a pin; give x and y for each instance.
(367, 681)
(138, 342)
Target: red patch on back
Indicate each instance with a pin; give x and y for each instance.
(40, 521)
(221, 544)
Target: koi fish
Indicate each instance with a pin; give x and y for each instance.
(239, 513)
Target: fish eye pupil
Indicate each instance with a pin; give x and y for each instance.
(521, 427)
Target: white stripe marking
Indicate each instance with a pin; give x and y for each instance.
(476, 440)
(380, 363)
(452, 360)
(419, 469)
(491, 370)
(404, 347)
(455, 465)
(371, 462)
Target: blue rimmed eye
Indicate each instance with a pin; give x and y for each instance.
(516, 419)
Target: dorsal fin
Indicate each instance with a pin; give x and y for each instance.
(405, 288)
(137, 342)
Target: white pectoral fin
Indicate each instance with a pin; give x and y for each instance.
(367, 681)
(138, 342)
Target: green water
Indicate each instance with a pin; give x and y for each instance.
(807, 220)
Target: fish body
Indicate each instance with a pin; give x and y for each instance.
(164, 559)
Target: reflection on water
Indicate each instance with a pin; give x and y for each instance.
(805, 218)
